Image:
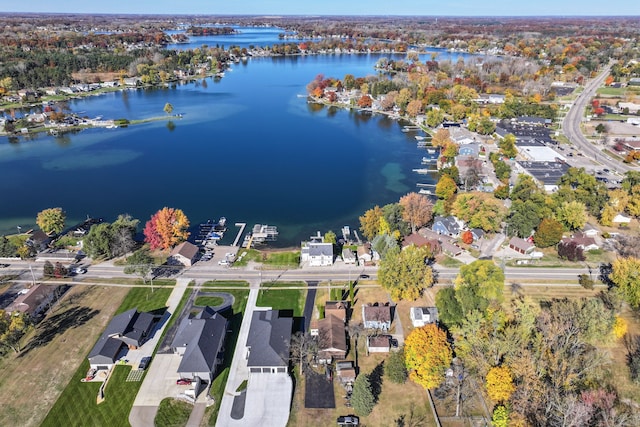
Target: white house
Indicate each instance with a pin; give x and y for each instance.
(421, 316)
(621, 219)
(317, 254)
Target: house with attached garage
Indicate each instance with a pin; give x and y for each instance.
(126, 330)
(199, 341)
(268, 342)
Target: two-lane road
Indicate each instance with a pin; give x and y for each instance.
(201, 273)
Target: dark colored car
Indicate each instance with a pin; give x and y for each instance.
(144, 363)
(348, 420)
(183, 381)
(364, 276)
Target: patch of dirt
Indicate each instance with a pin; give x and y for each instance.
(32, 381)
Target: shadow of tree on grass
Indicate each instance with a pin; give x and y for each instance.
(57, 324)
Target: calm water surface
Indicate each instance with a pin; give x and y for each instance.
(248, 147)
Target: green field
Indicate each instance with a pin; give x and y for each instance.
(612, 91)
(210, 301)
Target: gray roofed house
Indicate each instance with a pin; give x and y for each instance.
(317, 254)
(268, 343)
(130, 328)
(421, 316)
(521, 245)
(348, 256)
(448, 226)
(199, 340)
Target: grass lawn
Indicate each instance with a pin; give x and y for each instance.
(210, 301)
(447, 261)
(145, 299)
(77, 405)
(53, 352)
(283, 259)
(279, 297)
(611, 91)
(272, 259)
(225, 284)
(173, 413)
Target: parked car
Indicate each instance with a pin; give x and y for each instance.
(348, 420)
(144, 363)
(364, 276)
(183, 381)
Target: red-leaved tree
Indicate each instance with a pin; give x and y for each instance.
(166, 228)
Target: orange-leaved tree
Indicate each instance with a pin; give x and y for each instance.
(417, 210)
(500, 383)
(166, 228)
(427, 355)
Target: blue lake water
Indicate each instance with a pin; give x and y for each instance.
(248, 147)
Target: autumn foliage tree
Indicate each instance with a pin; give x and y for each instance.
(51, 221)
(417, 210)
(427, 355)
(549, 233)
(166, 228)
(625, 275)
(499, 383)
(405, 274)
(370, 222)
(467, 237)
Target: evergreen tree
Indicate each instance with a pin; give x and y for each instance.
(362, 398)
(394, 367)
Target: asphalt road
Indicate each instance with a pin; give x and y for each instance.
(573, 119)
(336, 273)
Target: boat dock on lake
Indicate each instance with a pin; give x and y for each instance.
(210, 232)
(260, 233)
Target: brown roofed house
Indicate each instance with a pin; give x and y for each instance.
(336, 308)
(34, 301)
(332, 339)
(183, 254)
(520, 245)
(377, 316)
